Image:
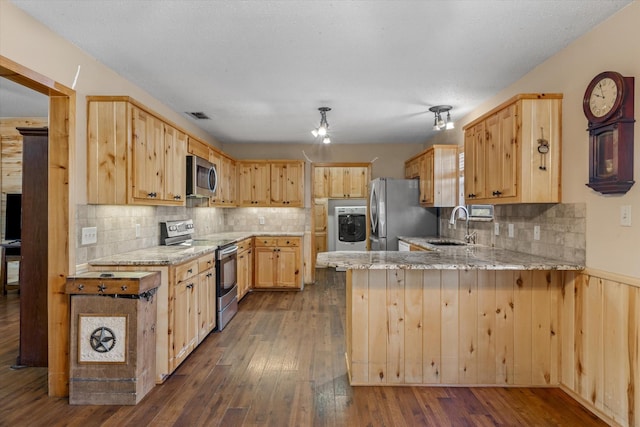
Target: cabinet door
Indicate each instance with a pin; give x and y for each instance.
(474, 160)
(254, 184)
(507, 184)
(287, 267)
(203, 306)
(336, 182)
(242, 277)
(356, 182)
(229, 181)
(321, 182)
(427, 179)
(148, 156)
(265, 268)
(412, 168)
(501, 153)
(287, 180)
(175, 148)
(184, 321)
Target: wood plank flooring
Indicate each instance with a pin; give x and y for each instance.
(280, 362)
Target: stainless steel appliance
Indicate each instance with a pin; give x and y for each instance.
(176, 232)
(394, 210)
(226, 283)
(351, 228)
(202, 177)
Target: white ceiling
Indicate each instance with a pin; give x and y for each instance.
(261, 69)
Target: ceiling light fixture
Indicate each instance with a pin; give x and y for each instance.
(438, 122)
(323, 129)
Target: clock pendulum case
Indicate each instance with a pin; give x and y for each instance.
(608, 106)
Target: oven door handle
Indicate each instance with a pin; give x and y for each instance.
(228, 251)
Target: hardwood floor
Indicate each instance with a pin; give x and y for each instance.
(280, 362)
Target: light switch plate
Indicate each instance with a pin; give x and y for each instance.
(89, 235)
(625, 215)
(137, 230)
(261, 220)
(536, 232)
(511, 233)
(496, 229)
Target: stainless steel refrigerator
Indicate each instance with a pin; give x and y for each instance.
(394, 210)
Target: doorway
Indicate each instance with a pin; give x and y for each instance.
(62, 101)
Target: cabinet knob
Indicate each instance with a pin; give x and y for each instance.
(190, 286)
(190, 270)
(497, 193)
(178, 197)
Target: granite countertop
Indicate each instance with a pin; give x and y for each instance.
(172, 255)
(465, 257)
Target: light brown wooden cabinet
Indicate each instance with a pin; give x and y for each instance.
(320, 215)
(206, 296)
(278, 262)
(131, 152)
(502, 161)
(287, 184)
(437, 169)
(341, 181)
(184, 330)
(271, 183)
(245, 267)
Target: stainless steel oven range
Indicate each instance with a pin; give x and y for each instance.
(226, 284)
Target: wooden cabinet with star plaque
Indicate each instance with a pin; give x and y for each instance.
(608, 106)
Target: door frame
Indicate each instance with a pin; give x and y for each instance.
(62, 131)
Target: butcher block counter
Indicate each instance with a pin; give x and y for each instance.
(452, 315)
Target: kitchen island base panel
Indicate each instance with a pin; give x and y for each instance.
(453, 327)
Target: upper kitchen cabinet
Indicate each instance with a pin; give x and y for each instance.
(271, 183)
(131, 153)
(437, 169)
(287, 184)
(512, 153)
(341, 181)
(226, 172)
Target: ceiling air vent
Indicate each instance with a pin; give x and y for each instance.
(198, 115)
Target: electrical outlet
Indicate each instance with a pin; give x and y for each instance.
(137, 231)
(89, 235)
(625, 215)
(261, 220)
(496, 229)
(511, 230)
(536, 232)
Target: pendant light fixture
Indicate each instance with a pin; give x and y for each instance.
(322, 131)
(439, 122)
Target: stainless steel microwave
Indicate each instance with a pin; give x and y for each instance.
(202, 177)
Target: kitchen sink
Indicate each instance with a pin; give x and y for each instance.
(446, 243)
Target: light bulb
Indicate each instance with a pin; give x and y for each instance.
(450, 125)
(322, 130)
(326, 140)
(314, 133)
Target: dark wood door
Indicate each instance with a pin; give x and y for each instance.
(33, 271)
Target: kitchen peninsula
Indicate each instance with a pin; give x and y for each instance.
(464, 315)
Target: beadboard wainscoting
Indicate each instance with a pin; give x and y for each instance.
(600, 317)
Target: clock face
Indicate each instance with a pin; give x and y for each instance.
(603, 97)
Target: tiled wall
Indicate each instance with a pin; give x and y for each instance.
(562, 229)
(117, 224)
(275, 219)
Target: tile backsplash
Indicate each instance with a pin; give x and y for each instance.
(562, 229)
(117, 224)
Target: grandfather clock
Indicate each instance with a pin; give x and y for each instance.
(33, 271)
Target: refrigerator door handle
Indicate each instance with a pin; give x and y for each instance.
(373, 209)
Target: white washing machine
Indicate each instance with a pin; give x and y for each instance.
(351, 228)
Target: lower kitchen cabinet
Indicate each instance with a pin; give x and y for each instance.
(186, 308)
(206, 296)
(245, 267)
(278, 263)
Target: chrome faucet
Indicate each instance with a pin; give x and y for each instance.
(468, 238)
